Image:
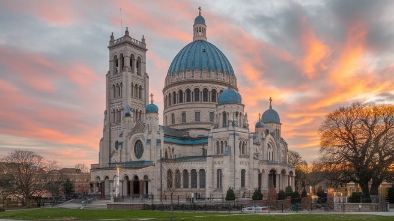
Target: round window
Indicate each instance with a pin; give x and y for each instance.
(138, 149)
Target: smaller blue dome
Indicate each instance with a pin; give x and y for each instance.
(259, 124)
(152, 108)
(270, 116)
(230, 96)
(199, 20)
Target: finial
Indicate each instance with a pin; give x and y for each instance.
(127, 31)
(151, 98)
(199, 11)
(143, 38)
(112, 36)
(259, 116)
(270, 103)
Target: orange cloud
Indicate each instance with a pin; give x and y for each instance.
(315, 51)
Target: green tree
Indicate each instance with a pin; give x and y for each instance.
(295, 197)
(304, 194)
(289, 191)
(257, 195)
(357, 143)
(68, 188)
(281, 195)
(322, 196)
(230, 194)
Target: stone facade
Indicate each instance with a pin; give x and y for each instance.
(205, 144)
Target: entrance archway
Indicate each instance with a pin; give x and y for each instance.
(272, 179)
(136, 185)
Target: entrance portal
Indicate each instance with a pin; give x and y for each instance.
(136, 185)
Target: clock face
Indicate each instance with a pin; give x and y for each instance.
(138, 149)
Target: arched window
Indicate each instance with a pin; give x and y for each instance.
(205, 95)
(188, 95)
(113, 91)
(196, 95)
(121, 89)
(224, 119)
(131, 91)
(221, 147)
(132, 63)
(201, 174)
(219, 178)
(172, 118)
(217, 147)
(117, 90)
(213, 95)
(243, 173)
(185, 179)
(121, 62)
(169, 178)
(169, 99)
(180, 95)
(139, 66)
(183, 117)
(116, 65)
(177, 179)
(136, 90)
(140, 92)
(211, 117)
(193, 179)
(174, 97)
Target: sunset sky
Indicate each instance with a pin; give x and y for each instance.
(309, 56)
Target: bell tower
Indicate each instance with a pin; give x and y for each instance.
(127, 92)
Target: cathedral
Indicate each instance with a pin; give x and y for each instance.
(205, 145)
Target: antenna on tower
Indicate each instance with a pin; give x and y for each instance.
(121, 25)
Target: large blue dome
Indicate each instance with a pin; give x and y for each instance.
(199, 20)
(230, 96)
(200, 54)
(270, 116)
(152, 108)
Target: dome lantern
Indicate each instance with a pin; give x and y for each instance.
(199, 27)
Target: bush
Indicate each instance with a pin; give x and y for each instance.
(355, 197)
(230, 194)
(390, 194)
(304, 194)
(2, 210)
(322, 196)
(257, 195)
(289, 191)
(295, 197)
(281, 195)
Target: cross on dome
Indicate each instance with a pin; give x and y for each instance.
(151, 98)
(199, 10)
(270, 102)
(259, 116)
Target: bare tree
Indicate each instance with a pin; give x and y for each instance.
(301, 168)
(54, 179)
(173, 181)
(26, 172)
(82, 167)
(357, 144)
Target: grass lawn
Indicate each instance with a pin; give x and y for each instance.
(74, 214)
